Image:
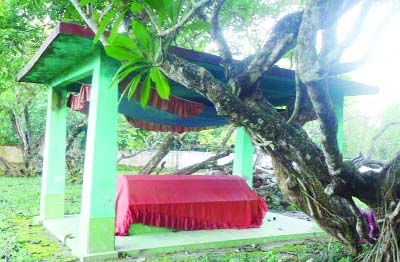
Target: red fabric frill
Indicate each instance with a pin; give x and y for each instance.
(80, 102)
(175, 105)
(149, 126)
(187, 202)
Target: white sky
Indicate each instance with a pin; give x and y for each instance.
(381, 70)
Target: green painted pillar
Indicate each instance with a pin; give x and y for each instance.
(338, 101)
(53, 177)
(100, 168)
(243, 156)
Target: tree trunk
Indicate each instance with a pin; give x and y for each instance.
(300, 165)
(28, 132)
(22, 135)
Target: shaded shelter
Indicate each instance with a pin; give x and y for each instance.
(68, 62)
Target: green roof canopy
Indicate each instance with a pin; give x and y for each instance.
(69, 46)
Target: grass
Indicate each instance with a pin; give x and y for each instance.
(20, 239)
(23, 241)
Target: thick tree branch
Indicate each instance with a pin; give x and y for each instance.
(217, 34)
(324, 108)
(281, 40)
(309, 67)
(312, 75)
(227, 136)
(303, 110)
(259, 118)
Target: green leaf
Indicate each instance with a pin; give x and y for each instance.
(136, 8)
(129, 70)
(120, 53)
(123, 41)
(84, 2)
(199, 25)
(103, 24)
(167, 9)
(145, 92)
(133, 84)
(158, 5)
(122, 95)
(142, 35)
(127, 64)
(114, 30)
(162, 84)
(126, 42)
(176, 8)
(125, 69)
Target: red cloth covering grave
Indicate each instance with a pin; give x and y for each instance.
(187, 202)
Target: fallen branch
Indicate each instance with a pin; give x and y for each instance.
(161, 153)
(132, 154)
(209, 163)
(162, 166)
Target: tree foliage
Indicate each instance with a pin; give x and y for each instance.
(23, 26)
(378, 138)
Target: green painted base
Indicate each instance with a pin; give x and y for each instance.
(226, 244)
(105, 256)
(140, 229)
(276, 230)
(52, 207)
(101, 235)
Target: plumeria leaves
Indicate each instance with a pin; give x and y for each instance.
(145, 91)
(162, 84)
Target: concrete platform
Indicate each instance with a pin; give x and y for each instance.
(276, 228)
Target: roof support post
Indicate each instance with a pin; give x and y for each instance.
(53, 177)
(100, 170)
(338, 101)
(243, 156)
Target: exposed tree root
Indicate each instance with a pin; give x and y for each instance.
(386, 248)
